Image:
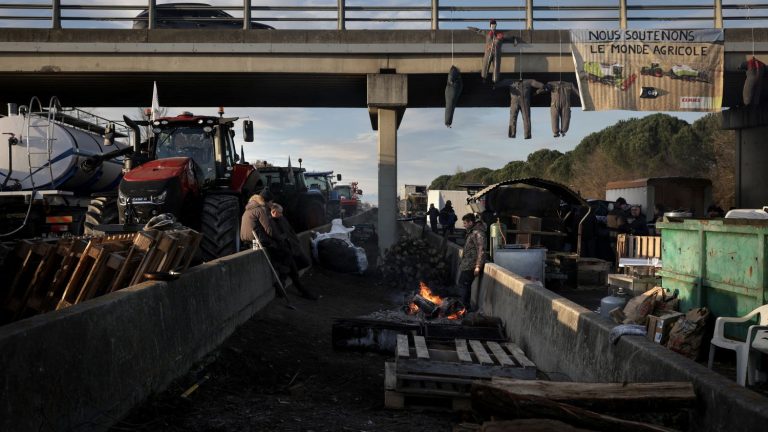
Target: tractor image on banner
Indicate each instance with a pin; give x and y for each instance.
(649, 70)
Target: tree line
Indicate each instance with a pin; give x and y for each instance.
(658, 145)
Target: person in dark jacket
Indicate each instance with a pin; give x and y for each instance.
(639, 224)
(433, 212)
(447, 218)
(473, 256)
(257, 219)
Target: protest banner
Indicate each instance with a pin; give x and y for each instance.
(649, 70)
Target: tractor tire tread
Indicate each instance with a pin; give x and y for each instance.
(220, 226)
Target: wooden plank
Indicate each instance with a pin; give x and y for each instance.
(413, 366)
(480, 353)
(394, 400)
(519, 356)
(402, 346)
(390, 376)
(435, 378)
(501, 357)
(605, 396)
(462, 352)
(493, 400)
(421, 347)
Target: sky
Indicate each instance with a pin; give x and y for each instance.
(342, 139)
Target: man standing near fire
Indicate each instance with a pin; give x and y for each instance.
(473, 258)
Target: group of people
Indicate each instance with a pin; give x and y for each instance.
(446, 216)
(263, 218)
(627, 219)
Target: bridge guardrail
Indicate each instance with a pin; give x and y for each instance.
(417, 14)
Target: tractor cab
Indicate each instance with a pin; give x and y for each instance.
(208, 141)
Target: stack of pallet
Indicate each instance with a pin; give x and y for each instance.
(54, 274)
(431, 373)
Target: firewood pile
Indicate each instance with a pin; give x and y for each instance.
(410, 261)
(43, 275)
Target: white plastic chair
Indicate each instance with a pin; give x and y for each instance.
(759, 345)
(742, 348)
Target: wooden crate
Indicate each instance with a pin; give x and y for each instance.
(593, 271)
(441, 376)
(635, 285)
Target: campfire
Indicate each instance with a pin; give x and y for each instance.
(432, 306)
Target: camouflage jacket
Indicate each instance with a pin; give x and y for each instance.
(474, 248)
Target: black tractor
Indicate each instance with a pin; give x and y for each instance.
(304, 208)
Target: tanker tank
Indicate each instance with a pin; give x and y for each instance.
(70, 146)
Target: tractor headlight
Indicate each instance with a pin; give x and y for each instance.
(121, 198)
(159, 199)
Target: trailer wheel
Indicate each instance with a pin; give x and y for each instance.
(220, 225)
(101, 210)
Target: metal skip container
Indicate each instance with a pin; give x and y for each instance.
(526, 263)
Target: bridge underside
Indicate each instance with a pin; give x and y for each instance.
(266, 89)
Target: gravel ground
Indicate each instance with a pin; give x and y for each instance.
(279, 372)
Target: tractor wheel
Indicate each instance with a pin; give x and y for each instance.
(220, 225)
(315, 215)
(101, 210)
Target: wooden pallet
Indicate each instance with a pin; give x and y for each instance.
(441, 375)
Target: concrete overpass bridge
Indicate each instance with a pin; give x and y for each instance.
(384, 71)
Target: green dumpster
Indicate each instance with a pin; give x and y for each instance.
(716, 263)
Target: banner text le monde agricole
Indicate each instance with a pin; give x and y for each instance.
(649, 70)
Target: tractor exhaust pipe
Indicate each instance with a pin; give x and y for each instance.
(134, 140)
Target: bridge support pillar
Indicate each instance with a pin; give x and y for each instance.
(751, 126)
(387, 98)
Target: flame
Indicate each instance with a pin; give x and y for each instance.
(425, 292)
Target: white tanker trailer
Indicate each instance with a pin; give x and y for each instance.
(44, 190)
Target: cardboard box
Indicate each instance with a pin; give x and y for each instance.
(660, 326)
(529, 223)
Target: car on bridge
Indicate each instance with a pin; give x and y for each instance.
(191, 16)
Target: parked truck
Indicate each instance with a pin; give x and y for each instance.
(44, 192)
(689, 194)
(458, 201)
(413, 201)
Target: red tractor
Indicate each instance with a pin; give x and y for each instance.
(188, 167)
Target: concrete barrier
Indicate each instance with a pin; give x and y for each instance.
(563, 338)
(84, 367)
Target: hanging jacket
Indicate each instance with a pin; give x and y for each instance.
(452, 92)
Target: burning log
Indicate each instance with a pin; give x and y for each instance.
(433, 306)
(425, 306)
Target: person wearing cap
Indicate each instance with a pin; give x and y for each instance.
(473, 256)
(257, 219)
(494, 40)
